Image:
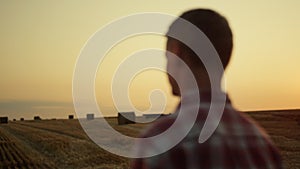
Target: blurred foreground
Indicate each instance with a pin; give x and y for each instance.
(63, 143)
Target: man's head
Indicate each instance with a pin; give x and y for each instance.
(218, 31)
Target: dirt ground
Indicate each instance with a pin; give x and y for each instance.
(63, 143)
(284, 129)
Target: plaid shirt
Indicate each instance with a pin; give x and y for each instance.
(238, 142)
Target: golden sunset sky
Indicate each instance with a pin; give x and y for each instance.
(41, 40)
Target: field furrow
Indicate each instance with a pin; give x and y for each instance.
(12, 156)
(72, 130)
(62, 149)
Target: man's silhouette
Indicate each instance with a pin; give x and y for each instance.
(237, 142)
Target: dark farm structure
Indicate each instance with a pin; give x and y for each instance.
(126, 118)
(3, 119)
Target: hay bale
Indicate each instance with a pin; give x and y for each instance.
(126, 118)
(37, 118)
(3, 119)
(90, 116)
(71, 117)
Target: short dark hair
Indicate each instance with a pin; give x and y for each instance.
(215, 27)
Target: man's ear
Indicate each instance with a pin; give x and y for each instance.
(176, 49)
(173, 46)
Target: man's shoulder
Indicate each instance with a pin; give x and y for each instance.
(239, 123)
(233, 122)
(236, 134)
(159, 125)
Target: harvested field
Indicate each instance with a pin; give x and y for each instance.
(63, 143)
(284, 129)
(14, 155)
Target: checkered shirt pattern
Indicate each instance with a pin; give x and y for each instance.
(237, 143)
